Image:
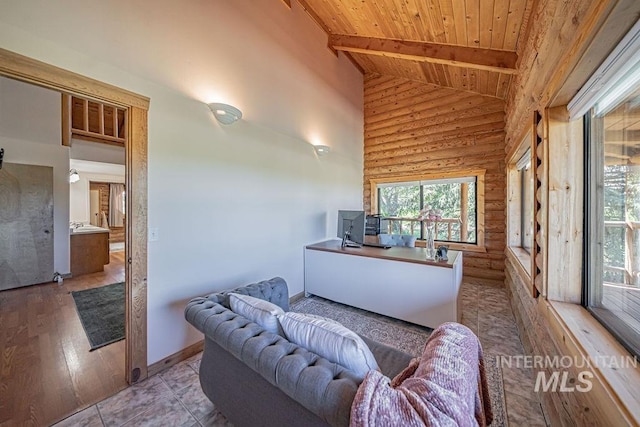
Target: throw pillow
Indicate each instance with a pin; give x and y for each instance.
(329, 339)
(257, 310)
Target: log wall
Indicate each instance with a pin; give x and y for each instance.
(558, 36)
(412, 128)
(116, 234)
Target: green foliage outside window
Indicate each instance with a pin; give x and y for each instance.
(404, 201)
(621, 205)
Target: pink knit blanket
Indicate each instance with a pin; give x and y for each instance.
(447, 386)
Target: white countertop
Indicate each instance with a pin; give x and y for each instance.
(88, 229)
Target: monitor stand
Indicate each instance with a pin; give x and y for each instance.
(346, 243)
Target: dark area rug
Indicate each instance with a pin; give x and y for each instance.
(404, 336)
(101, 312)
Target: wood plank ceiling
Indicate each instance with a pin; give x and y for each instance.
(467, 45)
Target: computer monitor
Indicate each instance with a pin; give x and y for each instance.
(351, 226)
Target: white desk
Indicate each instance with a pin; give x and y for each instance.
(398, 282)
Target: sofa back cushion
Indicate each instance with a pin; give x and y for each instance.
(330, 340)
(258, 311)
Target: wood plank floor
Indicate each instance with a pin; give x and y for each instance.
(46, 369)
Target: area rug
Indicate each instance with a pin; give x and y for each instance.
(404, 336)
(101, 312)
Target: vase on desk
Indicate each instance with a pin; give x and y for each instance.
(431, 243)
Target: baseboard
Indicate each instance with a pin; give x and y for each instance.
(175, 358)
(296, 297)
(184, 354)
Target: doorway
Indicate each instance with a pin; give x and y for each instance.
(19, 67)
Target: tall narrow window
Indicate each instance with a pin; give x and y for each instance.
(613, 210)
(526, 201)
(520, 184)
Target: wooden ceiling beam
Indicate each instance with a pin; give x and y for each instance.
(501, 61)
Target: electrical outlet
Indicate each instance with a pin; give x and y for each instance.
(153, 234)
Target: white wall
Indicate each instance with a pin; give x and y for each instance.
(30, 133)
(231, 204)
(95, 152)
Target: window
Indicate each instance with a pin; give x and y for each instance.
(520, 203)
(457, 194)
(525, 177)
(612, 291)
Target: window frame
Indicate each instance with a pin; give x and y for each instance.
(515, 203)
(594, 237)
(479, 175)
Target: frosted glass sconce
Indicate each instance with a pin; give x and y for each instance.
(225, 113)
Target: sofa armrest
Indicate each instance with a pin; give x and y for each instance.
(324, 388)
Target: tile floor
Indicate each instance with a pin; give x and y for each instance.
(174, 397)
(487, 312)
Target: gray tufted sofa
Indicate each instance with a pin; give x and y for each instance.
(257, 378)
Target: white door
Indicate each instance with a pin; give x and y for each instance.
(94, 207)
(26, 225)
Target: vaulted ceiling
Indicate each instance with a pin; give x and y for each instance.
(466, 45)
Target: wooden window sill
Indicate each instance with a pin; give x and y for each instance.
(521, 258)
(585, 337)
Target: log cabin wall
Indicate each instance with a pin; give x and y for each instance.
(412, 128)
(559, 34)
(116, 234)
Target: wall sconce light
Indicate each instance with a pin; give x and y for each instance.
(322, 150)
(225, 113)
(74, 176)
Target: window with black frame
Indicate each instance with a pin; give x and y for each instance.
(400, 204)
(612, 201)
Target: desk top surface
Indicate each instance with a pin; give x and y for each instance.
(394, 253)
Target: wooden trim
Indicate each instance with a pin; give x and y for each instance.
(136, 245)
(39, 73)
(114, 122)
(287, 3)
(522, 260)
(104, 139)
(175, 358)
(458, 173)
(66, 119)
(464, 210)
(296, 297)
(539, 170)
(566, 199)
(582, 336)
(480, 210)
(501, 61)
(101, 119)
(29, 70)
(85, 115)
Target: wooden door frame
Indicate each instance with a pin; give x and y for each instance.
(29, 70)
